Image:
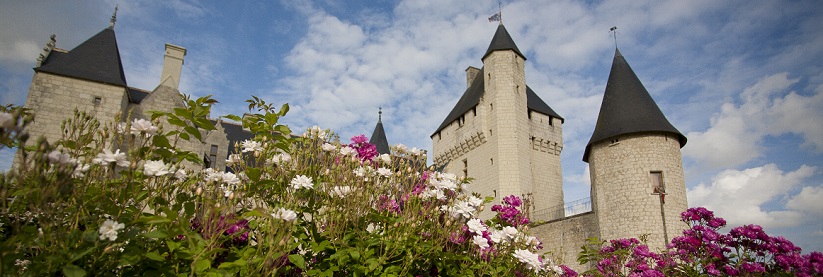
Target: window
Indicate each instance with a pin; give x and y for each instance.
(213, 149)
(213, 159)
(657, 182)
(465, 168)
(491, 160)
(491, 106)
(97, 100)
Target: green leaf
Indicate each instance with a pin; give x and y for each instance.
(154, 219)
(354, 254)
(73, 271)
(161, 141)
(181, 112)
(172, 245)
(233, 117)
(154, 256)
(283, 109)
(298, 261)
(156, 234)
(202, 265)
(204, 123)
(185, 136)
(176, 121)
(194, 132)
(254, 174)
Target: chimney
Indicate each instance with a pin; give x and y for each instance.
(471, 72)
(172, 65)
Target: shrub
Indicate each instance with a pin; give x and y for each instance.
(126, 199)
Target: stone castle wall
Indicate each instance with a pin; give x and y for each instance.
(546, 139)
(622, 195)
(563, 238)
(53, 99)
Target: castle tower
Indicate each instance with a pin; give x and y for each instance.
(88, 78)
(501, 134)
(378, 137)
(635, 163)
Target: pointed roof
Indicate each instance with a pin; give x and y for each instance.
(502, 41)
(97, 59)
(471, 97)
(628, 108)
(378, 137)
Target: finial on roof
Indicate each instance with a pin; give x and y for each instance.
(380, 114)
(113, 17)
(47, 50)
(613, 30)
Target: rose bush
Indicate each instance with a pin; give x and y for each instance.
(125, 199)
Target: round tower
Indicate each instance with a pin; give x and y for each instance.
(635, 163)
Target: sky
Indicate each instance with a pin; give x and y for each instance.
(743, 80)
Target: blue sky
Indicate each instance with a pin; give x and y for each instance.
(742, 80)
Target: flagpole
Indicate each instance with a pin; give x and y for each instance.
(500, 10)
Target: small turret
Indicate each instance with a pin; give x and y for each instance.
(635, 163)
(378, 137)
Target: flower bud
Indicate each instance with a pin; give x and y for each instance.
(198, 191)
(217, 205)
(231, 196)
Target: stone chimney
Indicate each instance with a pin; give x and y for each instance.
(471, 72)
(172, 65)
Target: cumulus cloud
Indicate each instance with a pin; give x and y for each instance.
(808, 200)
(740, 196)
(19, 51)
(766, 108)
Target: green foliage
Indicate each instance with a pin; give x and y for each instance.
(80, 206)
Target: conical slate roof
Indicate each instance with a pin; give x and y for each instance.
(502, 41)
(378, 137)
(96, 59)
(627, 108)
(471, 97)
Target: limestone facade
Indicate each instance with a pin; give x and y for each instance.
(623, 198)
(506, 148)
(509, 147)
(53, 97)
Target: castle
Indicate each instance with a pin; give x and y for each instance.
(500, 133)
(90, 78)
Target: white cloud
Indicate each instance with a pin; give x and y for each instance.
(810, 199)
(739, 196)
(19, 51)
(737, 131)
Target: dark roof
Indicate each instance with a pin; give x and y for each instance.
(538, 105)
(378, 138)
(502, 41)
(137, 95)
(96, 59)
(628, 108)
(235, 134)
(471, 97)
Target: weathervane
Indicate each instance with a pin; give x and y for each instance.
(613, 30)
(499, 15)
(113, 17)
(379, 114)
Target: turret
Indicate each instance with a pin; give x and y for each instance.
(635, 163)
